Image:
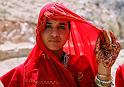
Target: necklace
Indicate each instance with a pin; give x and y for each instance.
(65, 59)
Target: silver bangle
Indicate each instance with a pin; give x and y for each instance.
(102, 83)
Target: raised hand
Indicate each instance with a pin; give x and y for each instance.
(107, 49)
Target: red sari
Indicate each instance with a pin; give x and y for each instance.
(43, 69)
(119, 79)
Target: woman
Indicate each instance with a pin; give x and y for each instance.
(63, 55)
(119, 79)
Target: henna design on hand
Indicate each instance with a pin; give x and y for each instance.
(107, 49)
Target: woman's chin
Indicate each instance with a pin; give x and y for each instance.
(54, 48)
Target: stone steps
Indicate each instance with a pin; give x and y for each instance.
(11, 50)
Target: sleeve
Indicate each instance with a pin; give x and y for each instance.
(82, 73)
(119, 82)
(87, 79)
(8, 78)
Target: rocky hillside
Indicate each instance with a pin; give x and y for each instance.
(14, 14)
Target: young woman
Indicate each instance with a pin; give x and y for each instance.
(69, 52)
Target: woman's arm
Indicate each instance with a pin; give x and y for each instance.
(107, 50)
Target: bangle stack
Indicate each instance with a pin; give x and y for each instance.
(102, 83)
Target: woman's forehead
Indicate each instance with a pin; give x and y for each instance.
(56, 21)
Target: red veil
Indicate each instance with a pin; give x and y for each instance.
(83, 36)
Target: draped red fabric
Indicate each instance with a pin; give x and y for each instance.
(119, 79)
(43, 67)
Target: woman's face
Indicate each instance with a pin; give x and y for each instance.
(56, 34)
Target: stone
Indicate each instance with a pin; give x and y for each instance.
(11, 50)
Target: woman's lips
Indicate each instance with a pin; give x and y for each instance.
(55, 41)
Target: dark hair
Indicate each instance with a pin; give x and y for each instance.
(69, 25)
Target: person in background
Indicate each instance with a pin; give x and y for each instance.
(119, 79)
(69, 52)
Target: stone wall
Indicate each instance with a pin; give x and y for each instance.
(17, 31)
(11, 50)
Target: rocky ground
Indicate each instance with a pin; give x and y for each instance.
(7, 65)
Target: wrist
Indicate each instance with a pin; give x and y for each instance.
(104, 77)
(103, 83)
(104, 71)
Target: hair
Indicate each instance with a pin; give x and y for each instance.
(69, 25)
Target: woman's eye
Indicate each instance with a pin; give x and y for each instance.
(48, 27)
(62, 27)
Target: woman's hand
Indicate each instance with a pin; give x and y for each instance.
(107, 50)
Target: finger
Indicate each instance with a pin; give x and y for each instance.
(113, 38)
(106, 38)
(114, 56)
(98, 57)
(118, 48)
(97, 48)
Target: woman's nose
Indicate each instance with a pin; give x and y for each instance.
(55, 33)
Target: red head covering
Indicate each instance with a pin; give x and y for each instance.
(83, 36)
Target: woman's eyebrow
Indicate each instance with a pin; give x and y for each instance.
(62, 23)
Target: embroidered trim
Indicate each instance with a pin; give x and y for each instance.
(80, 76)
(46, 82)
